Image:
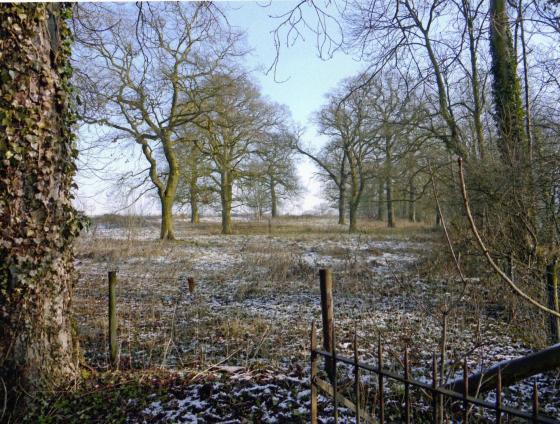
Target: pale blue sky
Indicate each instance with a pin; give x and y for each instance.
(306, 78)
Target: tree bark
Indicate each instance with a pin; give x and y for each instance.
(412, 201)
(506, 86)
(512, 143)
(38, 223)
(226, 196)
(390, 208)
(167, 218)
(193, 197)
(552, 288)
(273, 198)
(355, 202)
(341, 205)
(477, 98)
(195, 213)
(353, 212)
(438, 218)
(170, 191)
(357, 186)
(381, 200)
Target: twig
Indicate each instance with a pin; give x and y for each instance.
(258, 347)
(214, 365)
(444, 225)
(450, 244)
(486, 253)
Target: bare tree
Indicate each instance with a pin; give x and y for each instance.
(237, 118)
(278, 172)
(395, 116)
(346, 118)
(332, 163)
(196, 187)
(141, 79)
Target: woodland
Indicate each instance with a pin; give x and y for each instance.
(440, 188)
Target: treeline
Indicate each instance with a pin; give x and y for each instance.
(376, 159)
(475, 80)
(168, 78)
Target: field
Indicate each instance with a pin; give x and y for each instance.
(237, 347)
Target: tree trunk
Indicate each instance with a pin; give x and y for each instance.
(381, 200)
(412, 202)
(390, 208)
(193, 196)
(552, 287)
(38, 224)
(195, 214)
(226, 196)
(341, 204)
(353, 212)
(506, 86)
(477, 113)
(511, 131)
(273, 198)
(170, 191)
(356, 192)
(167, 218)
(528, 124)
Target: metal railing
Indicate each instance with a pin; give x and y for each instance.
(463, 407)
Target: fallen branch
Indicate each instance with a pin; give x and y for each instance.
(493, 264)
(512, 371)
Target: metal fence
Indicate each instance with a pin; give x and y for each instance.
(440, 404)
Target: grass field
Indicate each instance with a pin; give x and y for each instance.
(246, 326)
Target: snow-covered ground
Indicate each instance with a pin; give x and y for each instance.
(255, 299)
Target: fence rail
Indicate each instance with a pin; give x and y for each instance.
(436, 393)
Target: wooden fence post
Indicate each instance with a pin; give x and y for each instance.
(327, 313)
(314, 369)
(113, 343)
(192, 284)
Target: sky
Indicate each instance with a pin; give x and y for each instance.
(301, 81)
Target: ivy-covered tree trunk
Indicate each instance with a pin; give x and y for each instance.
(509, 116)
(506, 86)
(38, 223)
